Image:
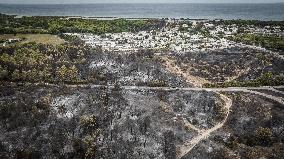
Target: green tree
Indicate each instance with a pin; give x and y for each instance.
(16, 75)
(62, 73)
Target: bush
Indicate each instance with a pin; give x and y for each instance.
(88, 122)
(263, 136)
(67, 74)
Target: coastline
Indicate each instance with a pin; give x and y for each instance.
(196, 11)
(133, 18)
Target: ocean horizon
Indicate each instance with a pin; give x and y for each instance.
(246, 11)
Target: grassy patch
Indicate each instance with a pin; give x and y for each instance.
(38, 38)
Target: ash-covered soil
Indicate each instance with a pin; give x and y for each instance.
(65, 122)
(142, 69)
(236, 63)
(254, 129)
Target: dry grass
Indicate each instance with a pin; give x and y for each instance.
(38, 38)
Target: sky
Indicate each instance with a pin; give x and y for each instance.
(134, 1)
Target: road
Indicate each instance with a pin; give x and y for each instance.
(252, 90)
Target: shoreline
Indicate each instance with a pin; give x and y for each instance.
(134, 18)
(137, 3)
(192, 11)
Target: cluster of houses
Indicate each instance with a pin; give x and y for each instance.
(170, 38)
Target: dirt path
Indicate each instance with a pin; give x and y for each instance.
(196, 81)
(239, 74)
(170, 65)
(251, 90)
(189, 125)
(203, 134)
(274, 98)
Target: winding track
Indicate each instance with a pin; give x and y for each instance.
(202, 134)
(188, 145)
(191, 143)
(170, 65)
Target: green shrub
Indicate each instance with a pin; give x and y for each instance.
(88, 122)
(267, 79)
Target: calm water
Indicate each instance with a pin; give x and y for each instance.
(194, 11)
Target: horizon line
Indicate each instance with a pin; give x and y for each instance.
(146, 3)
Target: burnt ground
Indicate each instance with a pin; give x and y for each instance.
(65, 122)
(254, 129)
(229, 64)
(38, 121)
(142, 69)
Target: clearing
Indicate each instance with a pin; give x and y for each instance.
(38, 38)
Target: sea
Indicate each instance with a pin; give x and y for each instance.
(273, 11)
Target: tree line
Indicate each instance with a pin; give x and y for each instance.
(241, 23)
(55, 25)
(267, 41)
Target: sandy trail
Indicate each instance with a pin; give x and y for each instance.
(203, 134)
(239, 74)
(170, 65)
(191, 126)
